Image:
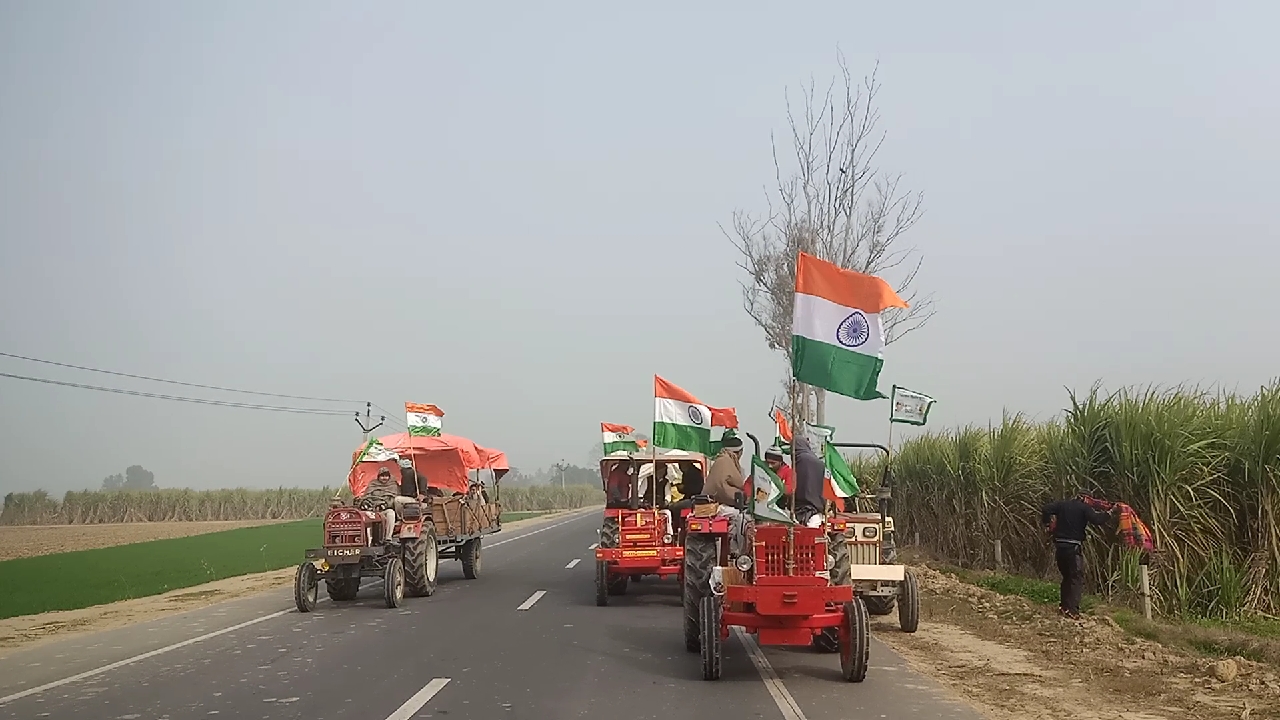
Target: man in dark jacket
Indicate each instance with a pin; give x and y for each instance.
(810, 475)
(1067, 520)
(412, 483)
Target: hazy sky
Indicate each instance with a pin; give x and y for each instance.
(513, 214)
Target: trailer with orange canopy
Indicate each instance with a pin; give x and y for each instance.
(447, 519)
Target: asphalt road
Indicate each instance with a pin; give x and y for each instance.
(470, 651)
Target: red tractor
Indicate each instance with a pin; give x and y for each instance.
(448, 522)
(780, 591)
(641, 534)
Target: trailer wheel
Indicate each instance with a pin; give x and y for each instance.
(342, 589)
(699, 557)
(421, 560)
(712, 644)
(393, 583)
(602, 583)
(306, 588)
(470, 555)
(909, 605)
(855, 642)
(879, 604)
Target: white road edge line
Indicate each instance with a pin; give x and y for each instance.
(572, 562)
(420, 698)
(781, 696)
(532, 599)
(208, 636)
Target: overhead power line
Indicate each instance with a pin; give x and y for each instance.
(178, 398)
(177, 382)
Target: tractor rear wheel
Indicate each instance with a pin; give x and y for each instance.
(471, 559)
(855, 642)
(602, 583)
(306, 588)
(712, 644)
(611, 533)
(393, 583)
(909, 606)
(342, 589)
(828, 640)
(421, 562)
(699, 557)
(879, 604)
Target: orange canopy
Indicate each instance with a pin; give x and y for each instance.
(444, 460)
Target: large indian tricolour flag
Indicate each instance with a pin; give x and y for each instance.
(423, 419)
(680, 420)
(618, 438)
(837, 340)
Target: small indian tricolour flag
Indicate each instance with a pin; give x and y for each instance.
(618, 438)
(909, 406)
(767, 491)
(840, 482)
(782, 436)
(680, 420)
(837, 340)
(423, 419)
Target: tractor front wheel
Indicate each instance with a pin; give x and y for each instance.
(700, 556)
(393, 583)
(602, 583)
(855, 641)
(712, 644)
(306, 588)
(471, 559)
(909, 603)
(828, 640)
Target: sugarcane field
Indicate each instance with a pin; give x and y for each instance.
(796, 362)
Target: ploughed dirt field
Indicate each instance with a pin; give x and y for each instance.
(1014, 659)
(17, 541)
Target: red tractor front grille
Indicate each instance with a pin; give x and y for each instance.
(344, 527)
(804, 554)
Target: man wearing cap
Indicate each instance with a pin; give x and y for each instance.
(724, 482)
(383, 496)
(776, 461)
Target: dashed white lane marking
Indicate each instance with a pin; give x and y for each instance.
(128, 661)
(208, 636)
(532, 599)
(572, 562)
(593, 546)
(781, 696)
(420, 698)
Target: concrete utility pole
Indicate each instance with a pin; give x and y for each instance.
(561, 473)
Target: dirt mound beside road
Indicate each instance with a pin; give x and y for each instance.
(1016, 659)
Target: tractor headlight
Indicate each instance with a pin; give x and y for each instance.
(667, 539)
(831, 560)
(869, 532)
(743, 563)
(717, 581)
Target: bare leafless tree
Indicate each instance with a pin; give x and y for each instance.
(836, 203)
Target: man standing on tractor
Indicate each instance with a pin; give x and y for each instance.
(724, 482)
(777, 463)
(810, 476)
(382, 496)
(1067, 520)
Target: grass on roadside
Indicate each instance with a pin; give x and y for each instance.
(523, 515)
(73, 580)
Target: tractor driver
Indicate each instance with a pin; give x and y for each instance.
(383, 496)
(618, 485)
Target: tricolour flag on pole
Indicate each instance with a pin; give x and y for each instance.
(767, 490)
(909, 406)
(840, 482)
(423, 419)
(837, 340)
(618, 438)
(782, 434)
(680, 420)
(375, 451)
